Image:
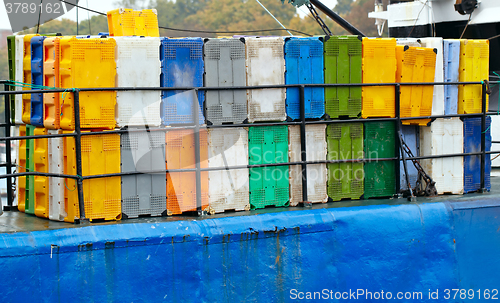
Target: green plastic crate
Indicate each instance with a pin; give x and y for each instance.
(345, 141)
(11, 51)
(380, 176)
(268, 185)
(30, 167)
(343, 65)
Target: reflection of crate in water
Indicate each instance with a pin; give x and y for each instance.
(181, 186)
(228, 189)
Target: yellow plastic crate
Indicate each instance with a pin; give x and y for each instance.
(102, 196)
(379, 66)
(26, 116)
(51, 105)
(474, 66)
(21, 168)
(127, 22)
(415, 64)
(86, 63)
(41, 162)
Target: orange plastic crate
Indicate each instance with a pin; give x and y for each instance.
(102, 196)
(41, 162)
(473, 67)
(26, 116)
(415, 64)
(21, 168)
(378, 66)
(181, 186)
(51, 105)
(127, 22)
(88, 63)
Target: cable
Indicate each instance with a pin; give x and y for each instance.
(88, 16)
(39, 14)
(273, 17)
(470, 16)
(202, 31)
(416, 20)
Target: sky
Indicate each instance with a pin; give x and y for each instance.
(107, 5)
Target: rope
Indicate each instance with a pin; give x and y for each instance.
(274, 17)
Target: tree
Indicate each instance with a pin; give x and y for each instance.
(68, 27)
(343, 6)
(358, 17)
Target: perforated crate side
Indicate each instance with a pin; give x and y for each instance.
(41, 165)
(474, 66)
(21, 168)
(304, 65)
(37, 57)
(19, 77)
(11, 56)
(128, 22)
(30, 166)
(51, 105)
(415, 64)
(57, 211)
(438, 96)
(228, 189)
(143, 194)
(444, 136)
(379, 175)
(316, 173)
(182, 66)
(88, 63)
(378, 66)
(265, 64)
(225, 66)
(26, 99)
(345, 180)
(181, 186)
(268, 185)
(411, 137)
(495, 136)
(451, 59)
(343, 65)
(472, 164)
(138, 65)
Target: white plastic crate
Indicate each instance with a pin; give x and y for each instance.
(138, 65)
(438, 98)
(57, 210)
(19, 57)
(228, 189)
(409, 41)
(265, 61)
(495, 136)
(14, 132)
(444, 136)
(316, 173)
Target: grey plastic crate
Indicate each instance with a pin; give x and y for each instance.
(143, 194)
(225, 66)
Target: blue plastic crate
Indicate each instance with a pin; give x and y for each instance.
(472, 164)
(181, 66)
(36, 117)
(451, 60)
(304, 65)
(411, 137)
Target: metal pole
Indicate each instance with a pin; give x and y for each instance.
(303, 147)
(197, 157)
(8, 157)
(78, 151)
(340, 21)
(483, 136)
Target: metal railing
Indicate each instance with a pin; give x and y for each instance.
(196, 126)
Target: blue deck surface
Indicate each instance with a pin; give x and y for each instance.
(450, 242)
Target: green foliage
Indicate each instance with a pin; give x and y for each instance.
(343, 6)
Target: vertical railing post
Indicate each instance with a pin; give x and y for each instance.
(78, 151)
(483, 135)
(197, 158)
(303, 148)
(397, 99)
(8, 157)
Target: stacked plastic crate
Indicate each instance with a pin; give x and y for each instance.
(304, 65)
(224, 61)
(343, 64)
